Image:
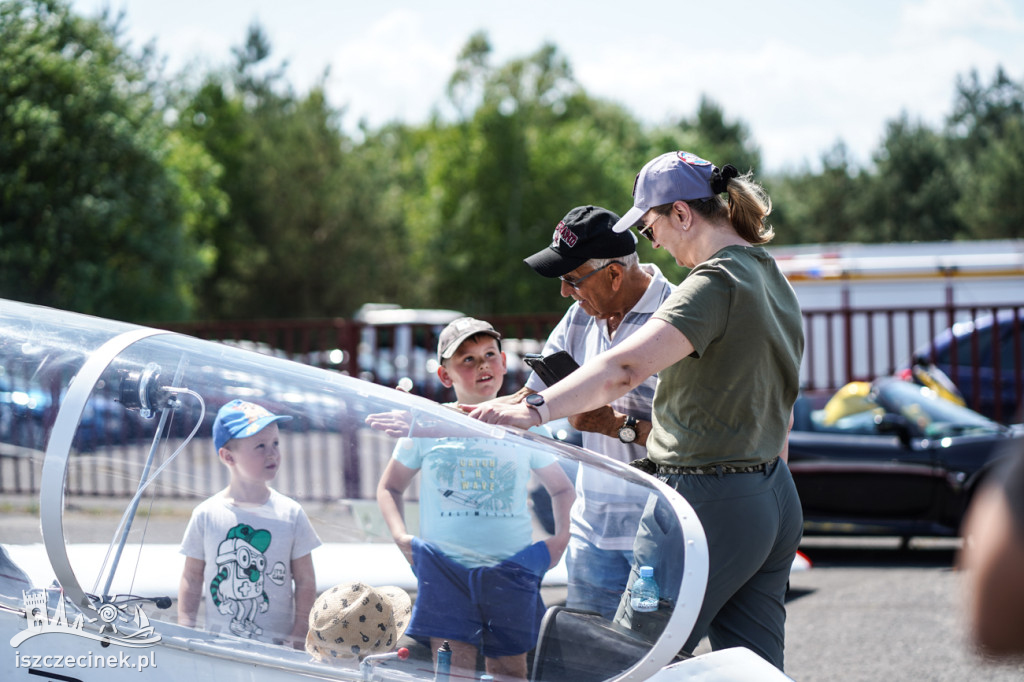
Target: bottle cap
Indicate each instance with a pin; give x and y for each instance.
(646, 572)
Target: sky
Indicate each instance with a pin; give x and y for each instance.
(802, 75)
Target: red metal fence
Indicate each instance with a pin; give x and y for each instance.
(859, 344)
(848, 344)
(382, 353)
(842, 345)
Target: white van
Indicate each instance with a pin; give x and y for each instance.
(401, 343)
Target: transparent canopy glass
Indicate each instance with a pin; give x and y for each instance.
(106, 435)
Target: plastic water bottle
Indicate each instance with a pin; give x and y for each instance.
(444, 663)
(645, 594)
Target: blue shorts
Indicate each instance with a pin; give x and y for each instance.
(496, 608)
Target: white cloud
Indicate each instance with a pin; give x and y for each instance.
(800, 96)
(795, 102)
(941, 17)
(801, 75)
(393, 70)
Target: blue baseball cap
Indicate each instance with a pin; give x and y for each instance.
(241, 419)
(674, 176)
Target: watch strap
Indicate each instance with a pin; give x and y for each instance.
(629, 427)
(542, 410)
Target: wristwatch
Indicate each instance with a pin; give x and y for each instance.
(627, 432)
(536, 401)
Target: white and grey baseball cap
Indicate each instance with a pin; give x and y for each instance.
(458, 331)
(673, 176)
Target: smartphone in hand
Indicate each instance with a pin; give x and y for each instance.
(553, 368)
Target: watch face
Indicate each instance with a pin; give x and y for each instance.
(627, 434)
(535, 399)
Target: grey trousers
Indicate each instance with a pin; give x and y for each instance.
(753, 523)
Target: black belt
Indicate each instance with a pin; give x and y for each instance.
(715, 469)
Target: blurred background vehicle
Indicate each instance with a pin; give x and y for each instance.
(25, 413)
(924, 373)
(984, 358)
(398, 343)
(22, 414)
(843, 344)
(890, 457)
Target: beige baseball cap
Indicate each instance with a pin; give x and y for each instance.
(458, 331)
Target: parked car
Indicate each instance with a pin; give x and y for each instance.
(22, 415)
(992, 338)
(925, 373)
(891, 458)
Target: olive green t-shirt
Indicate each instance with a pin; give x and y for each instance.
(729, 401)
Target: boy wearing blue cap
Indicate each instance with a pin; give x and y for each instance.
(246, 546)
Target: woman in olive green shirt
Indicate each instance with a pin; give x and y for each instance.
(726, 346)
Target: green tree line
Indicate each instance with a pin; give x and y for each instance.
(138, 195)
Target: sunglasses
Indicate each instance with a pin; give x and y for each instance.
(575, 283)
(647, 231)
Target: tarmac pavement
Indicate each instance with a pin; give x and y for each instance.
(870, 610)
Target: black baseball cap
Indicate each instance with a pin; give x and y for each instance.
(584, 233)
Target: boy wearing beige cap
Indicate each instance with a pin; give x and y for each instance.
(479, 570)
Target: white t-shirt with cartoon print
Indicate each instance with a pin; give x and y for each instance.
(248, 550)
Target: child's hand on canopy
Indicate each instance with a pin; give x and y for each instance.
(396, 423)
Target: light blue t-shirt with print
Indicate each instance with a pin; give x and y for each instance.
(473, 495)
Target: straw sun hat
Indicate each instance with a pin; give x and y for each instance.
(354, 620)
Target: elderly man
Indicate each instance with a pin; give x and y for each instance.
(614, 295)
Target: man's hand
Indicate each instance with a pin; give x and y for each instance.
(603, 420)
(607, 422)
